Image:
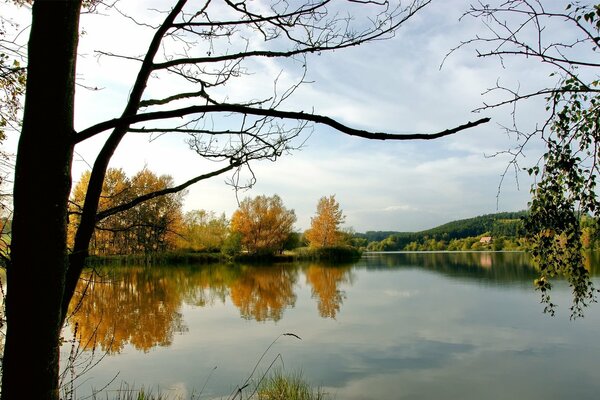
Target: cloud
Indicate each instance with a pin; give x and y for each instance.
(402, 207)
(395, 85)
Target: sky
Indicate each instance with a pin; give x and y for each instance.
(396, 85)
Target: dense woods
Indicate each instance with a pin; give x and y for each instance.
(505, 232)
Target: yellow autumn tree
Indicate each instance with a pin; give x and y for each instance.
(325, 225)
(263, 223)
(143, 228)
(115, 191)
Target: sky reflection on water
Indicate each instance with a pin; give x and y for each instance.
(401, 326)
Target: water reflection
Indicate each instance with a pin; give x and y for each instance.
(407, 326)
(325, 283)
(141, 306)
(493, 268)
(262, 293)
(137, 306)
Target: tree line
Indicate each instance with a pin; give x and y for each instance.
(261, 226)
(504, 231)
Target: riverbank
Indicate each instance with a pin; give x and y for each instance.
(324, 254)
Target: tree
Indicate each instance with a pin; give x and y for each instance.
(12, 80)
(12, 87)
(149, 227)
(203, 231)
(564, 36)
(263, 223)
(325, 225)
(207, 46)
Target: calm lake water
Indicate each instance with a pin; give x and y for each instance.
(390, 326)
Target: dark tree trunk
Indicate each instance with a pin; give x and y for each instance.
(36, 273)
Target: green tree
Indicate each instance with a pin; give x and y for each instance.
(565, 184)
(232, 245)
(235, 131)
(203, 231)
(498, 244)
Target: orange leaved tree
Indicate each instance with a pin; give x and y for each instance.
(324, 226)
(263, 223)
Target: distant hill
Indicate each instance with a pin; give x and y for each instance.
(376, 236)
(504, 224)
(499, 224)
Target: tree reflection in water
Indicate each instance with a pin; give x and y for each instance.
(262, 293)
(133, 305)
(325, 282)
(141, 306)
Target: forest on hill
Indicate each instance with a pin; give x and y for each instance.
(504, 229)
(499, 231)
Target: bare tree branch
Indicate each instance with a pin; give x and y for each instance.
(294, 115)
(148, 196)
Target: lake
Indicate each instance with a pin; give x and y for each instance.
(389, 326)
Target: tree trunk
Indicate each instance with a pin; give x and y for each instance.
(36, 273)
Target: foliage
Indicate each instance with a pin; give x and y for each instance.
(12, 88)
(324, 226)
(263, 223)
(12, 79)
(147, 228)
(566, 37)
(375, 236)
(232, 244)
(202, 230)
(455, 235)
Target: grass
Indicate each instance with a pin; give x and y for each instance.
(127, 393)
(281, 386)
(329, 254)
(277, 385)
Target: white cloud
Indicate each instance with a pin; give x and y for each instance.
(402, 207)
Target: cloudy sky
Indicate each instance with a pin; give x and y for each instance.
(394, 85)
